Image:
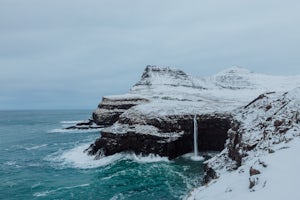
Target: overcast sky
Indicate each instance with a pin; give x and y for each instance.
(69, 53)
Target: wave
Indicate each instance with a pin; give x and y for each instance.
(151, 158)
(47, 192)
(77, 158)
(36, 147)
(71, 122)
(10, 163)
(62, 130)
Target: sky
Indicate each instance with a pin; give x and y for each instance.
(67, 54)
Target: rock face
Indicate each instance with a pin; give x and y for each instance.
(84, 125)
(110, 109)
(170, 136)
(156, 116)
(270, 119)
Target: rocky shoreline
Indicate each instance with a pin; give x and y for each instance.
(236, 115)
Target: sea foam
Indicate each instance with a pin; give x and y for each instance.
(47, 192)
(62, 130)
(36, 147)
(151, 158)
(71, 122)
(77, 158)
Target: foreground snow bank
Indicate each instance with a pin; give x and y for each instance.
(279, 179)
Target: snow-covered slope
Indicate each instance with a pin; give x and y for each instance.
(279, 180)
(266, 145)
(171, 91)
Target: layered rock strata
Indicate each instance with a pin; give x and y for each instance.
(169, 136)
(156, 115)
(110, 109)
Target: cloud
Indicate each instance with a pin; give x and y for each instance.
(86, 49)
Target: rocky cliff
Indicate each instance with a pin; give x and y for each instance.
(156, 115)
(270, 119)
(260, 156)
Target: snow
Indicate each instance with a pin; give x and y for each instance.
(119, 128)
(271, 123)
(171, 91)
(279, 180)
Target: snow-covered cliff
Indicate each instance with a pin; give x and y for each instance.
(260, 159)
(167, 91)
(246, 116)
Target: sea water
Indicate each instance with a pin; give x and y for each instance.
(40, 160)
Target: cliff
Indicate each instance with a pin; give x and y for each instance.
(243, 115)
(269, 125)
(156, 115)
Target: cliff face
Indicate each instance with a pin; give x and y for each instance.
(266, 122)
(169, 136)
(156, 116)
(260, 154)
(110, 109)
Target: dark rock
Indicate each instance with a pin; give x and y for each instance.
(110, 109)
(106, 117)
(255, 100)
(252, 182)
(143, 144)
(268, 107)
(87, 123)
(234, 144)
(251, 147)
(278, 123)
(174, 136)
(253, 171)
(262, 163)
(84, 125)
(271, 151)
(209, 174)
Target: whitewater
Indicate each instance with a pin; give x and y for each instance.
(40, 160)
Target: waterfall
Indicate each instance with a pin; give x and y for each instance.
(196, 156)
(195, 137)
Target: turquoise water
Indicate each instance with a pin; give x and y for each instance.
(38, 160)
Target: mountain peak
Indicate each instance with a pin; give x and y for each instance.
(234, 78)
(155, 75)
(152, 70)
(235, 70)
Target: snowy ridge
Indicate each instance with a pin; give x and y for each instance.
(269, 126)
(170, 91)
(154, 75)
(234, 78)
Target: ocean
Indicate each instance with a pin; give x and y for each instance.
(41, 160)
